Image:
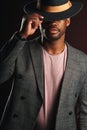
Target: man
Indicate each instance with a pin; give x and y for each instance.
(49, 77)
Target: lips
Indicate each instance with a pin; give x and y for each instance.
(53, 30)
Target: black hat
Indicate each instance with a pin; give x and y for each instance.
(54, 9)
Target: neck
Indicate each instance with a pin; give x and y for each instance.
(54, 47)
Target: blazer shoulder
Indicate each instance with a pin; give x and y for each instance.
(78, 56)
(76, 52)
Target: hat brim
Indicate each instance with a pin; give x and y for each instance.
(72, 11)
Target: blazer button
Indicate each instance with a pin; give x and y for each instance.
(22, 98)
(70, 113)
(76, 95)
(15, 116)
(19, 76)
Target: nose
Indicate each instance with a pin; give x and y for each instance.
(52, 23)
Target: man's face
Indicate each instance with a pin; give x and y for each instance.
(56, 29)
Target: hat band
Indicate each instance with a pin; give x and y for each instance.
(54, 9)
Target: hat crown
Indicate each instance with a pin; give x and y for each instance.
(53, 6)
(54, 9)
(52, 2)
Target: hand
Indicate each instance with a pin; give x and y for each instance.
(30, 24)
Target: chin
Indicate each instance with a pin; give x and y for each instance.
(53, 38)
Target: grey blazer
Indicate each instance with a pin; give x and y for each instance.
(23, 60)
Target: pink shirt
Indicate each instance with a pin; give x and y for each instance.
(54, 67)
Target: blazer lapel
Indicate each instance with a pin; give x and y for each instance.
(36, 56)
(69, 75)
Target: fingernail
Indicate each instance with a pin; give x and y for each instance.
(42, 17)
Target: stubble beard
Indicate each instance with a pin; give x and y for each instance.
(55, 37)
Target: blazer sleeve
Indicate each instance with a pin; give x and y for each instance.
(83, 106)
(8, 55)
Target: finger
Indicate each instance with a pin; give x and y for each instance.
(32, 26)
(41, 18)
(35, 22)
